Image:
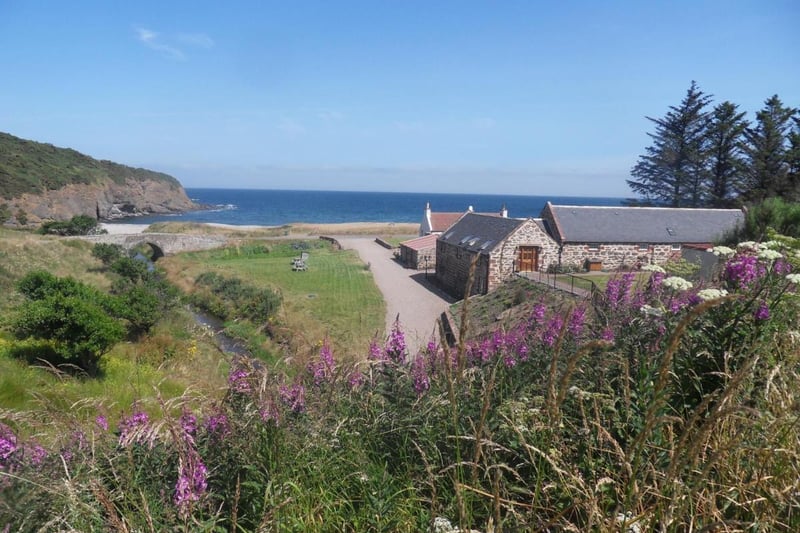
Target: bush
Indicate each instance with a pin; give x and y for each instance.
(77, 225)
(77, 318)
(107, 253)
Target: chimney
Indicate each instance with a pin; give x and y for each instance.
(470, 209)
(426, 228)
(504, 211)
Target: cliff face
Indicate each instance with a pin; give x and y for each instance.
(40, 182)
(106, 201)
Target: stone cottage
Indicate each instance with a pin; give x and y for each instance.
(437, 222)
(499, 247)
(609, 238)
(419, 253)
(581, 237)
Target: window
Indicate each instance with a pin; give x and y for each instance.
(643, 247)
(676, 246)
(593, 247)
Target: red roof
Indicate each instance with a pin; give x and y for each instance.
(421, 243)
(442, 221)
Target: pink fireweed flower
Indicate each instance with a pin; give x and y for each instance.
(420, 376)
(37, 455)
(269, 412)
(375, 352)
(553, 330)
(188, 423)
(130, 428)
(217, 425)
(293, 397)
(522, 352)
(762, 313)
(607, 335)
(8, 444)
(355, 379)
(192, 482)
(238, 381)
(395, 350)
(537, 314)
(742, 270)
(322, 370)
(576, 321)
(101, 422)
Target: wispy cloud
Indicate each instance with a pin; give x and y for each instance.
(200, 40)
(173, 47)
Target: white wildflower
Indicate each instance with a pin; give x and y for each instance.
(443, 525)
(654, 268)
(772, 245)
(651, 311)
(631, 524)
(793, 278)
(711, 294)
(748, 245)
(769, 255)
(724, 251)
(677, 283)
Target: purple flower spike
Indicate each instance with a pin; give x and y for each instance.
(8, 444)
(101, 422)
(762, 313)
(420, 375)
(192, 482)
(188, 423)
(396, 345)
(238, 381)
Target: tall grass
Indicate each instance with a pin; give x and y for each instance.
(663, 408)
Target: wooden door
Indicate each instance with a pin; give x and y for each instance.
(528, 259)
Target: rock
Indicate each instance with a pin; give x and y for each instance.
(104, 201)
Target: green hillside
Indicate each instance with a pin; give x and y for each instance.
(33, 167)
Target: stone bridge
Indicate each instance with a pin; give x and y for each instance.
(161, 243)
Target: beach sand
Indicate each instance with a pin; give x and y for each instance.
(295, 229)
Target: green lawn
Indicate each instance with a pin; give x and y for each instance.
(335, 297)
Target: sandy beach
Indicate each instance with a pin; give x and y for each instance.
(295, 229)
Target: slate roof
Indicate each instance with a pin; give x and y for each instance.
(481, 233)
(421, 243)
(642, 224)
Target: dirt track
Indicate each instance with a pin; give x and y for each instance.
(407, 293)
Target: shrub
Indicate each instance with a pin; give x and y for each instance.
(77, 225)
(77, 318)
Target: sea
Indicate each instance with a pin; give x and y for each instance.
(260, 207)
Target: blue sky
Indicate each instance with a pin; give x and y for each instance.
(540, 98)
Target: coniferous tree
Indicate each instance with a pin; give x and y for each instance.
(673, 170)
(793, 158)
(768, 152)
(726, 157)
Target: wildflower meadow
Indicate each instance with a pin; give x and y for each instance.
(659, 405)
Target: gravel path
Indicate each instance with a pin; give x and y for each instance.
(407, 293)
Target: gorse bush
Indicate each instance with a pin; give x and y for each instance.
(658, 406)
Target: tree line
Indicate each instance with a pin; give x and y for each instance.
(704, 156)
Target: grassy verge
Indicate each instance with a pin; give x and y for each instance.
(334, 298)
(173, 358)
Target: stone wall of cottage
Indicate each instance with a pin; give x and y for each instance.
(452, 269)
(503, 261)
(616, 256)
(416, 259)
